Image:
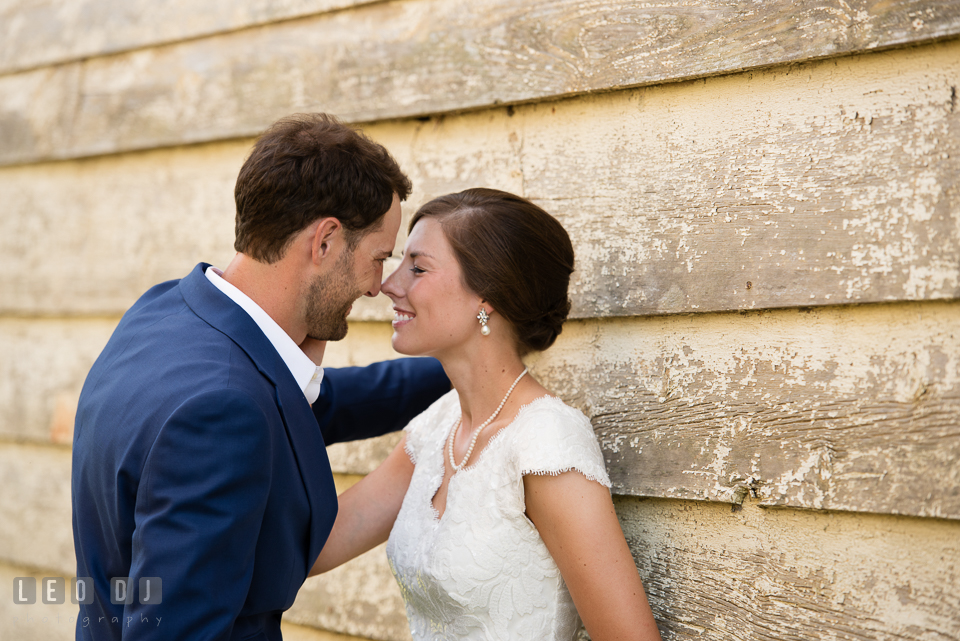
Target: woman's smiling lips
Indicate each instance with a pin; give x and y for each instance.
(401, 317)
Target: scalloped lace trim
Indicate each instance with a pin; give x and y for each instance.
(408, 448)
(602, 480)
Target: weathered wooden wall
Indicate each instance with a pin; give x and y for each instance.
(764, 201)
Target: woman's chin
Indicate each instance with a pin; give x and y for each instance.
(398, 346)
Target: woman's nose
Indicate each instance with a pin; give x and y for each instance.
(390, 286)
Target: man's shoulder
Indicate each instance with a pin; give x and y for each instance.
(163, 340)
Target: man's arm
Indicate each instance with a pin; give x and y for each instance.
(361, 402)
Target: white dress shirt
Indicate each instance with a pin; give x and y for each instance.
(308, 374)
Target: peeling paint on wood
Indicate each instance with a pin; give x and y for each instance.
(45, 362)
(415, 57)
(829, 183)
(48, 32)
(35, 522)
(774, 575)
(823, 184)
(837, 408)
(39, 621)
(360, 598)
(43, 365)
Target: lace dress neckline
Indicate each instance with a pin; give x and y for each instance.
(437, 515)
(481, 571)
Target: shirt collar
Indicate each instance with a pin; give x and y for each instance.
(308, 374)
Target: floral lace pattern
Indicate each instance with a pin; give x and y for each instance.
(481, 570)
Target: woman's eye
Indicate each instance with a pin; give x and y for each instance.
(417, 271)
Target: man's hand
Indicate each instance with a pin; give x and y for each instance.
(314, 349)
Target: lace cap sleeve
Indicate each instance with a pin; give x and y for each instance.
(431, 425)
(554, 438)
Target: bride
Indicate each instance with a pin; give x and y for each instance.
(496, 500)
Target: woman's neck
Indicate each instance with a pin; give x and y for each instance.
(481, 380)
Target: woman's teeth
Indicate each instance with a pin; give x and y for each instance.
(397, 316)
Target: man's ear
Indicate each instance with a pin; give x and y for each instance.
(329, 231)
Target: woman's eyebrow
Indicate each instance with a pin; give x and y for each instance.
(418, 254)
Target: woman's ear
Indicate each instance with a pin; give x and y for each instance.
(327, 233)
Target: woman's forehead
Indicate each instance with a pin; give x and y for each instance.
(428, 240)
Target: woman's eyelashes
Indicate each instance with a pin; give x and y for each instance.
(417, 270)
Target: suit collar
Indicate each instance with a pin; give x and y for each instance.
(216, 308)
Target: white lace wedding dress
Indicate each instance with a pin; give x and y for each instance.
(481, 570)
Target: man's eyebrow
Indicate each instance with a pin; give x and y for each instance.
(385, 254)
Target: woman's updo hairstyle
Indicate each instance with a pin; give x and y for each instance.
(513, 254)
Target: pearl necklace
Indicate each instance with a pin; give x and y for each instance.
(476, 434)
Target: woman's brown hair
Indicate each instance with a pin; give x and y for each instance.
(513, 254)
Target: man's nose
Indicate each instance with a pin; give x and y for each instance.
(375, 283)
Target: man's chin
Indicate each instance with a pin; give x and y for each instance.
(331, 335)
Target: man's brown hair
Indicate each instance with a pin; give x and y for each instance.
(306, 167)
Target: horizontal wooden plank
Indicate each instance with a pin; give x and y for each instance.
(852, 409)
(778, 575)
(359, 598)
(713, 574)
(843, 408)
(112, 229)
(46, 362)
(38, 621)
(415, 57)
(361, 457)
(41, 373)
(807, 568)
(294, 632)
(35, 522)
(830, 183)
(35, 531)
(89, 237)
(48, 32)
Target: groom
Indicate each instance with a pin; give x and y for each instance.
(202, 493)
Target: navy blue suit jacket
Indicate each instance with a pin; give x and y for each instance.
(198, 460)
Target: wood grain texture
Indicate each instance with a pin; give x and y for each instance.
(788, 575)
(88, 237)
(39, 621)
(833, 408)
(294, 632)
(45, 362)
(828, 183)
(35, 33)
(360, 598)
(712, 575)
(42, 370)
(416, 57)
(35, 523)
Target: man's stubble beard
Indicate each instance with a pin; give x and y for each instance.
(329, 299)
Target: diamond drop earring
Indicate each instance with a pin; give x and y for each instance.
(483, 317)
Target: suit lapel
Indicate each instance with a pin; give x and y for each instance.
(311, 455)
(220, 312)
